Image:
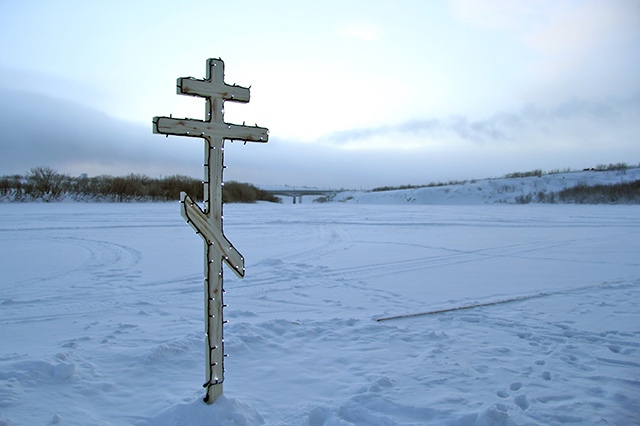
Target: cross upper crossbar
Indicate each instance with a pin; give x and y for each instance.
(213, 86)
(209, 88)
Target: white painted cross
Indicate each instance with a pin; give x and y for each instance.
(208, 223)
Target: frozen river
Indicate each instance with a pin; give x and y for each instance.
(101, 315)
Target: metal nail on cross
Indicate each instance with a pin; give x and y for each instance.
(208, 223)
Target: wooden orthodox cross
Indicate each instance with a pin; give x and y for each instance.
(208, 222)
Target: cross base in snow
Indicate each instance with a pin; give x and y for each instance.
(208, 222)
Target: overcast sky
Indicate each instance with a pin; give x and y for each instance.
(356, 93)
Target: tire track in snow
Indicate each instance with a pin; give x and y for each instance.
(65, 294)
(92, 227)
(103, 257)
(285, 275)
(281, 269)
(329, 241)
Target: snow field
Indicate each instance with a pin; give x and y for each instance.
(101, 315)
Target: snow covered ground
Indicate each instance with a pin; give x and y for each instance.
(101, 315)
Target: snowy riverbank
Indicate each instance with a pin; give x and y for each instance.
(492, 191)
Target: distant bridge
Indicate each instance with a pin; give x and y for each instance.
(297, 194)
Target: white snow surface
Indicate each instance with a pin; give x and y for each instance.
(102, 316)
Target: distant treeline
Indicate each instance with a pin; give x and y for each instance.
(598, 168)
(46, 184)
(428, 185)
(617, 193)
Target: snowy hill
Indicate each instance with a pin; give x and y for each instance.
(491, 191)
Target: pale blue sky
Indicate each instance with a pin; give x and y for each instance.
(355, 93)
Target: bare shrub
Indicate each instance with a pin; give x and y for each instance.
(619, 193)
(236, 192)
(537, 172)
(46, 183)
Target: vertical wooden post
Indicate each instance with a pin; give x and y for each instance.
(208, 222)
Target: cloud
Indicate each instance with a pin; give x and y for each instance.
(586, 26)
(75, 139)
(42, 130)
(589, 48)
(502, 15)
(507, 128)
(575, 48)
(574, 134)
(365, 32)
